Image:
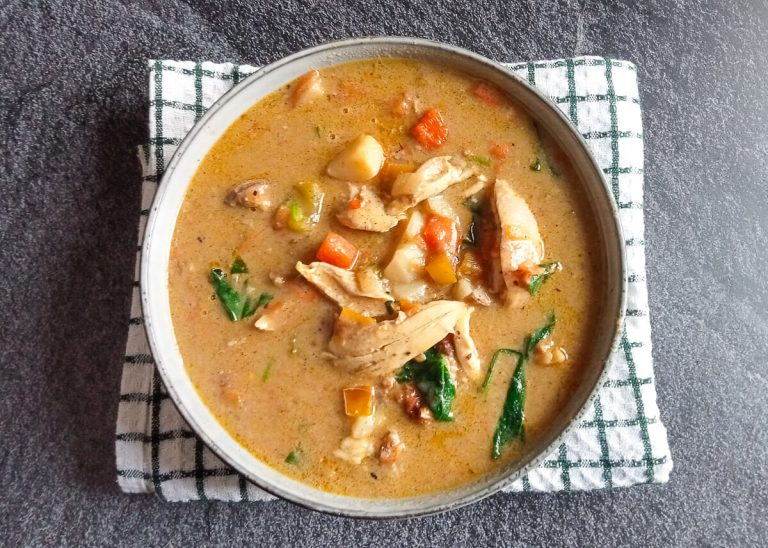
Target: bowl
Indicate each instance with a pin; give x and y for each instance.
(171, 192)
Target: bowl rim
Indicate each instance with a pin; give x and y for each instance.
(157, 354)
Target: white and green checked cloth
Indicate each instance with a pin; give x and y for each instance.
(620, 442)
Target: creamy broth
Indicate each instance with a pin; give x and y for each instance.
(277, 392)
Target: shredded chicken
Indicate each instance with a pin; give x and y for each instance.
(391, 447)
(359, 444)
(370, 213)
(466, 351)
(430, 179)
(343, 286)
(383, 347)
(250, 194)
(520, 245)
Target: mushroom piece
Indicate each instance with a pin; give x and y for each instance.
(521, 248)
(250, 194)
(430, 179)
(344, 287)
(383, 347)
(366, 211)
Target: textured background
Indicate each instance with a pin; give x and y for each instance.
(73, 105)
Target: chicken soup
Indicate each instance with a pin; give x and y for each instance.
(384, 279)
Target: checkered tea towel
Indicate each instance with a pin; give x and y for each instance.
(620, 442)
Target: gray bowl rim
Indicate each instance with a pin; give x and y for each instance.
(509, 477)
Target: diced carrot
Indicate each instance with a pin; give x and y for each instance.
(409, 307)
(350, 316)
(487, 93)
(338, 251)
(500, 151)
(357, 202)
(430, 131)
(358, 401)
(440, 269)
(440, 234)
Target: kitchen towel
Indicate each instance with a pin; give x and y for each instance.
(619, 442)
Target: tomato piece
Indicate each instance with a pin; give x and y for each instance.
(430, 131)
(338, 251)
(357, 202)
(441, 234)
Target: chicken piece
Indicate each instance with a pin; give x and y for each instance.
(384, 347)
(520, 245)
(359, 161)
(251, 194)
(343, 286)
(430, 179)
(466, 351)
(366, 211)
(309, 86)
(359, 444)
(391, 446)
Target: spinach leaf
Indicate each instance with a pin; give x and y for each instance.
(236, 305)
(231, 300)
(474, 204)
(492, 365)
(536, 281)
(239, 266)
(470, 240)
(268, 369)
(510, 424)
(433, 381)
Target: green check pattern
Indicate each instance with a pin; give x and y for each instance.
(619, 442)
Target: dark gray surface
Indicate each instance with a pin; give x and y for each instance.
(73, 103)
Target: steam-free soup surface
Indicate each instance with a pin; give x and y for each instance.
(280, 392)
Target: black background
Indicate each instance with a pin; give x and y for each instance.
(73, 98)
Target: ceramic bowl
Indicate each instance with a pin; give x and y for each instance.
(162, 221)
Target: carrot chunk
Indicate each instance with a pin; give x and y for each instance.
(487, 93)
(430, 131)
(338, 251)
(357, 202)
(500, 151)
(440, 234)
(358, 401)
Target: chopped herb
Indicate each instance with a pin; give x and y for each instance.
(536, 165)
(317, 131)
(392, 307)
(536, 281)
(482, 160)
(510, 424)
(237, 305)
(295, 457)
(231, 300)
(433, 381)
(239, 266)
(268, 370)
(264, 300)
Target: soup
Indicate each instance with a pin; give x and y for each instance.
(355, 253)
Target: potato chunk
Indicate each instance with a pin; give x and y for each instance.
(359, 161)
